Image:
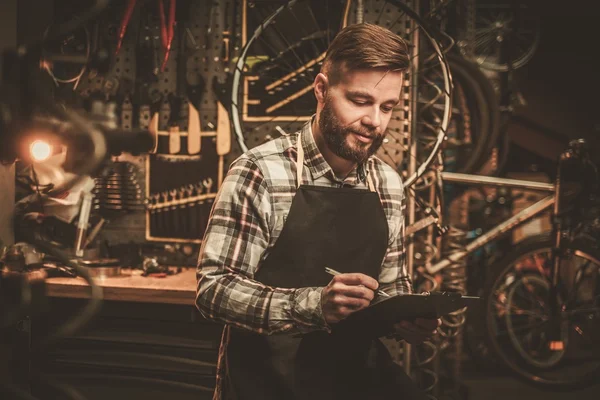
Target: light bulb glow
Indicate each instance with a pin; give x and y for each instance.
(40, 150)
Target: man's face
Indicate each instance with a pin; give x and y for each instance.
(356, 112)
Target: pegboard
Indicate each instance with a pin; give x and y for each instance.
(207, 39)
(276, 93)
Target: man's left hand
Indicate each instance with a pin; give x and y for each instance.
(417, 331)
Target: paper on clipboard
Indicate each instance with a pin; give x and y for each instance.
(377, 320)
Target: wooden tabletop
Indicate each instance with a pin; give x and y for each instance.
(131, 286)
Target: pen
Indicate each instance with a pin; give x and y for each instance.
(334, 272)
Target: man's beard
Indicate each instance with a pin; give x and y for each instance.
(335, 137)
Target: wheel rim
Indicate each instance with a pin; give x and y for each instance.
(251, 129)
(518, 318)
(526, 306)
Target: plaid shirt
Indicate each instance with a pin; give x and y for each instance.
(246, 220)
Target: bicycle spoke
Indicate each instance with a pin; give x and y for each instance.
(380, 13)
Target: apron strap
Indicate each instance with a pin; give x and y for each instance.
(370, 183)
(300, 166)
(299, 161)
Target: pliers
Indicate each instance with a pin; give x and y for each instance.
(167, 31)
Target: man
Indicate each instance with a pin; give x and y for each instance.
(300, 203)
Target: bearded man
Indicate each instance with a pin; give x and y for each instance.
(292, 207)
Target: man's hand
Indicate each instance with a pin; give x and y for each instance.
(417, 331)
(345, 294)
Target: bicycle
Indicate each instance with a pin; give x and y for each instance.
(542, 299)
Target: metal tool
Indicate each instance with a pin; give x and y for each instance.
(167, 26)
(186, 212)
(226, 35)
(163, 217)
(174, 211)
(207, 183)
(167, 31)
(154, 200)
(124, 23)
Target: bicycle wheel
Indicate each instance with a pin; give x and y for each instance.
(272, 81)
(502, 35)
(559, 350)
(482, 103)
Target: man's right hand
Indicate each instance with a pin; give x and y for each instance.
(345, 294)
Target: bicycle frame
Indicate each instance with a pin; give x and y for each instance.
(504, 227)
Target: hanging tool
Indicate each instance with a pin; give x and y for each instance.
(225, 48)
(176, 100)
(147, 64)
(194, 211)
(183, 221)
(209, 32)
(174, 212)
(193, 91)
(124, 23)
(167, 26)
(167, 30)
(194, 143)
(174, 133)
(163, 217)
(153, 215)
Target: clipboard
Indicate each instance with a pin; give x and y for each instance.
(378, 319)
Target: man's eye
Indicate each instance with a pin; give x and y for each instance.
(359, 102)
(387, 109)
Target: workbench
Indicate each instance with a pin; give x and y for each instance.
(148, 340)
(179, 288)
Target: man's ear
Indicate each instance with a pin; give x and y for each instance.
(321, 85)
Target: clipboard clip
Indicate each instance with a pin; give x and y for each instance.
(447, 294)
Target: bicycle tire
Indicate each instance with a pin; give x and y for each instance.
(480, 120)
(486, 101)
(548, 373)
(491, 97)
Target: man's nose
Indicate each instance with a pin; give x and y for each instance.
(372, 118)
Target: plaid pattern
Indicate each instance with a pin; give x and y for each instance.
(246, 220)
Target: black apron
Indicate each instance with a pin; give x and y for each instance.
(342, 228)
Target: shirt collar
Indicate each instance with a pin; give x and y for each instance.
(318, 166)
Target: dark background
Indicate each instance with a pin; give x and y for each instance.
(561, 83)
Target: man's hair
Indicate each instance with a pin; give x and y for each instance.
(365, 46)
